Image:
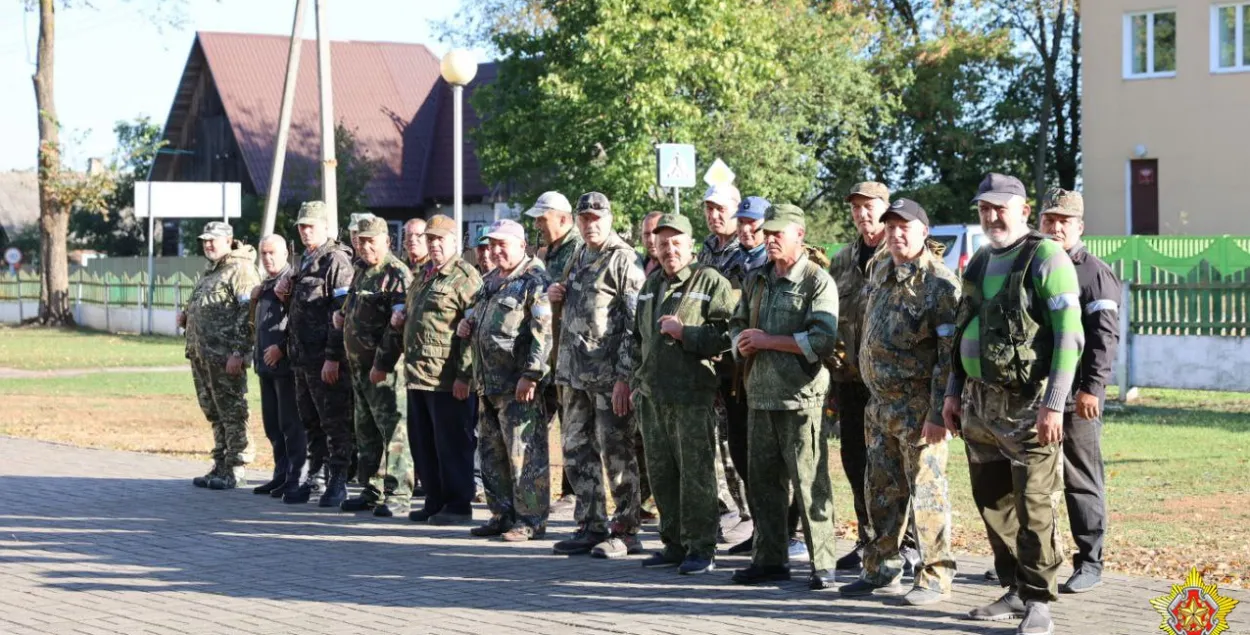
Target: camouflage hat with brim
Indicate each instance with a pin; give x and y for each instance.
(675, 222)
(440, 225)
(779, 217)
(372, 227)
(353, 224)
(1063, 203)
(313, 212)
(870, 189)
(217, 229)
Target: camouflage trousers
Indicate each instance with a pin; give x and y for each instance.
(1016, 484)
(679, 439)
(595, 439)
(326, 410)
(516, 469)
(906, 475)
(789, 449)
(384, 464)
(223, 398)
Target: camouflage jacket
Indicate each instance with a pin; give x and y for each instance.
(674, 371)
(375, 291)
(909, 327)
(511, 328)
(434, 358)
(852, 284)
(318, 288)
(598, 317)
(803, 304)
(219, 312)
(722, 259)
(557, 259)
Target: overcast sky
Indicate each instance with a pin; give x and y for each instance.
(114, 63)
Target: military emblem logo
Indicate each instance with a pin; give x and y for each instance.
(1194, 608)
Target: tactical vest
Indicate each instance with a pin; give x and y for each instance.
(1015, 338)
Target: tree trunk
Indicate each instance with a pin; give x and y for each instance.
(54, 307)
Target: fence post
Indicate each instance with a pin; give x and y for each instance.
(1122, 353)
(78, 301)
(21, 299)
(108, 300)
(143, 290)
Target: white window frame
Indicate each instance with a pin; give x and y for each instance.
(1242, 64)
(1150, 46)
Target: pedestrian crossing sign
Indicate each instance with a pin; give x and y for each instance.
(675, 165)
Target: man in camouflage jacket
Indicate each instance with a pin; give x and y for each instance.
(219, 335)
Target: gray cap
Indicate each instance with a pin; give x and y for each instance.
(595, 203)
(999, 189)
(554, 201)
(217, 229)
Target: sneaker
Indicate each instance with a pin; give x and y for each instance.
(920, 596)
(696, 565)
(755, 574)
(1081, 581)
(798, 550)
(662, 560)
(360, 503)
(1036, 619)
(420, 515)
(496, 526)
(911, 561)
(853, 561)
(448, 519)
(1007, 607)
(821, 579)
(744, 547)
(564, 504)
(582, 541)
(863, 588)
(521, 533)
(616, 546)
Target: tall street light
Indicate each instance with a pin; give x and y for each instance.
(458, 69)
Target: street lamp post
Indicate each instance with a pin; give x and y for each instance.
(458, 68)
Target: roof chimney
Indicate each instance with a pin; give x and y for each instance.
(95, 165)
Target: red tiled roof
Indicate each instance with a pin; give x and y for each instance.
(389, 94)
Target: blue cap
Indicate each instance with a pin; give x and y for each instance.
(752, 208)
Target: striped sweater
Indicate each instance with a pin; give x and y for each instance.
(1055, 282)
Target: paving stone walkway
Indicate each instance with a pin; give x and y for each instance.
(102, 542)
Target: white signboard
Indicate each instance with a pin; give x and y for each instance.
(171, 199)
(675, 165)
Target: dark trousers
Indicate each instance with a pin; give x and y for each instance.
(736, 435)
(283, 427)
(852, 399)
(1084, 489)
(326, 410)
(443, 442)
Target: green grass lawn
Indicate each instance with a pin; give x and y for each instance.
(30, 348)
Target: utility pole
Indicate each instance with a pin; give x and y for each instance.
(284, 120)
(329, 178)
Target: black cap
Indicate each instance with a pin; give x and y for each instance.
(595, 203)
(906, 209)
(997, 189)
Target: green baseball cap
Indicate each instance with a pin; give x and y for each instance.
(779, 217)
(676, 222)
(312, 212)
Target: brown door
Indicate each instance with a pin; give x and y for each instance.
(1144, 190)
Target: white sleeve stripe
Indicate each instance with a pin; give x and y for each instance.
(946, 330)
(1064, 301)
(1102, 305)
(340, 291)
(701, 296)
(645, 296)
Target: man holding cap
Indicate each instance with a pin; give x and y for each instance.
(680, 325)
(439, 371)
(323, 394)
(553, 216)
(1019, 340)
(384, 463)
(218, 320)
(1063, 214)
(905, 358)
(783, 328)
(594, 368)
(509, 328)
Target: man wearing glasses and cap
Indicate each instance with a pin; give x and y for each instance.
(599, 297)
(218, 323)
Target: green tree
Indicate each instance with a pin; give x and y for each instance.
(115, 230)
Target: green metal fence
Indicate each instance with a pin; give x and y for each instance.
(105, 290)
(1175, 259)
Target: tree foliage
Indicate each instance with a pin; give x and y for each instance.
(114, 230)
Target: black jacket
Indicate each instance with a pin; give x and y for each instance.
(271, 323)
(1100, 315)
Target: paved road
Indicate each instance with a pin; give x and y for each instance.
(102, 542)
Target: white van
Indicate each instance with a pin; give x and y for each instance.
(961, 242)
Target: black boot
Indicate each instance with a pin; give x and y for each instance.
(336, 489)
(275, 483)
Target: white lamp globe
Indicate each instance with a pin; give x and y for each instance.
(458, 67)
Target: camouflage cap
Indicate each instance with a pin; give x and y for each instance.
(217, 229)
(1063, 202)
(371, 227)
(353, 225)
(779, 217)
(676, 222)
(594, 203)
(871, 189)
(440, 225)
(312, 212)
(482, 239)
